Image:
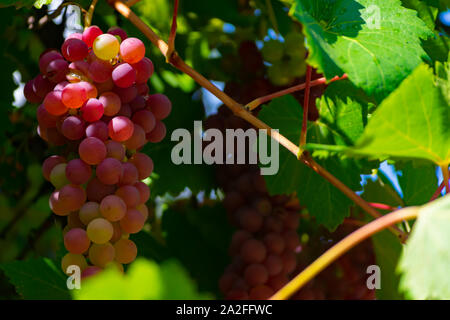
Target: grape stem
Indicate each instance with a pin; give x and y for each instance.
(89, 14)
(272, 17)
(305, 108)
(438, 190)
(382, 206)
(261, 100)
(238, 109)
(446, 177)
(342, 247)
(173, 32)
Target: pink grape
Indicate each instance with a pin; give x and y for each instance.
(46, 58)
(53, 103)
(133, 221)
(78, 171)
(100, 71)
(56, 70)
(113, 208)
(115, 150)
(97, 130)
(126, 251)
(42, 86)
(126, 94)
(90, 34)
(76, 241)
(145, 119)
(74, 96)
(123, 75)
(91, 90)
(106, 86)
(49, 164)
(60, 86)
(89, 211)
(109, 171)
(92, 110)
(120, 128)
(159, 105)
(137, 103)
(253, 251)
(116, 31)
(111, 103)
(130, 174)
(125, 110)
(44, 118)
(72, 197)
(137, 139)
(142, 89)
(30, 94)
(55, 137)
(130, 195)
(144, 70)
(92, 150)
(101, 254)
(143, 164)
(73, 128)
(132, 50)
(144, 191)
(158, 133)
(74, 49)
(90, 271)
(96, 190)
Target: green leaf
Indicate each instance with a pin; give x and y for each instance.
(37, 279)
(427, 10)
(376, 42)
(322, 199)
(25, 3)
(418, 183)
(39, 3)
(411, 123)
(144, 280)
(378, 191)
(425, 262)
(443, 78)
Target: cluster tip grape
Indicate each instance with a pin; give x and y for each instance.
(93, 98)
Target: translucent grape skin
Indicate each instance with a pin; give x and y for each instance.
(90, 34)
(76, 241)
(74, 49)
(44, 118)
(144, 70)
(101, 254)
(29, 93)
(109, 171)
(143, 164)
(92, 150)
(56, 70)
(133, 221)
(99, 231)
(158, 133)
(97, 130)
(115, 150)
(113, 208)
(46, 58)
(159, 105)
(49, 164)
(58, 175)
(116, 31)
(132, 50)
(91, 90)
(137, 139)
(92, 110)
(125, 250)
(53, 103)
(130, 195)
(111, 103)
(42, 86)
(123, 75)
(78, 172)
(89, 211)
(73, 128)
(120, 128)
(106, 46)
(74, 96)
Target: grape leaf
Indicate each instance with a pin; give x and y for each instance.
(443, 78)
(37, 279)
(144, 280)
(324, 201)
(411, 123)
(427, 10)
(418, 183)
(376, 42)
(25, 3)
(425, 261)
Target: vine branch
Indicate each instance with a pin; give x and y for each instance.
(343, 246)
(238, 109)
(173, 30)
(89, 14)
(305, 107)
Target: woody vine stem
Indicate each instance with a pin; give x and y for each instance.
(381, 222)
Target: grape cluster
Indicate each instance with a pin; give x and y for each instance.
(94, 99)
(263, 249)
(287, 59)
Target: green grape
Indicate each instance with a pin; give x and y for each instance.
(279, 74)
(297, 67)
(101, 254)
(294, 45)
(100, 230)
(58, 176)
(106, 46)
(272, 51)
(71, 259)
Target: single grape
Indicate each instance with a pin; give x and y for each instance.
(249, 219)
(132, 50)
(76, 241)
(60, 86)
(96, 190)
(130, 174)
(53, 103)
(89, 211)
(90, 34)
(120, 128)
(111, 103)
(46, 58)
(42, 86)
(123, 75)
(49, 164)
(100, 71)
(97, 130)
(115, 150)
(116, 31)
(159, 105)
(74, 49)
(56, 205)
(126, 251)
(44, 118)
(72, 259)
(142, 89)
(106, 46)
(158, 133)
(133, 221)
(91, 90)
(73, 128)
(272, 51)
(101, 254)
(144, 191)
(143, 209)
(113, 208)
(58, 176)
(274, 243)
(109, 171)
(126, 94)
(92, 150)
(295, 45)
(255, 274)
(144, 70)
(273, 264)
(289, 261)
(130, 195)
(253, 251)
(137, 139)
(29, 93)
(138, 103)
(78, 171)
(143, 164)
(99, 230)
(56, 70)
(92, 110)
(74, 96)
(90, 271)
(72, 197)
